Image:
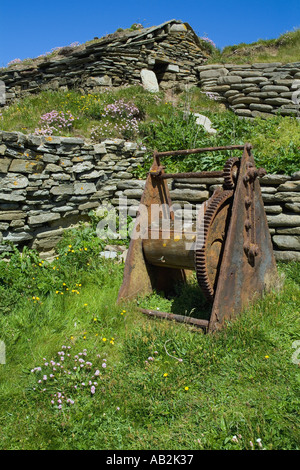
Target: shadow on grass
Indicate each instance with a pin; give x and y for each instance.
(190, 301)
(185, 299)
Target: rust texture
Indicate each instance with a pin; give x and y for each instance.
(199, 174)
(248, 266)
(201, 150)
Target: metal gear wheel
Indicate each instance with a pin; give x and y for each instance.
(230, 171)
(211, 233)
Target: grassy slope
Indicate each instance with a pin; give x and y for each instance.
(283, 49)
(241, 381)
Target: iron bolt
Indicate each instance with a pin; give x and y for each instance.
(248, 201)
(247, 224)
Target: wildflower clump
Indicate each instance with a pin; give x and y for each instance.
(14, 61)
(119, 118)
(68, 378)
(207, 43)
(54, 122)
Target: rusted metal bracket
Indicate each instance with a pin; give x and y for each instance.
(248, 266)
(251, 247)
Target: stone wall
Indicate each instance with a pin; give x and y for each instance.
(253, 90)
(48, 184)
(172, 50)
(51, 183)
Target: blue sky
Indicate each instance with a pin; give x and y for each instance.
(30, 28)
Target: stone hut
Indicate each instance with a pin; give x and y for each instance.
(171, 50)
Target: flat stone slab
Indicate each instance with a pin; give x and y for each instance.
(43, 218)
(149, 80)
(287, 242)
(287, 255)
(202, 120)
(283, 220)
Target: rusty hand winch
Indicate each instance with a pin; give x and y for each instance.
(229, 246)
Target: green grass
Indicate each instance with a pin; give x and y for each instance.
(283, 49)
(24, 115)
(195, 391)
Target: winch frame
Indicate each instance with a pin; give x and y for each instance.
(247, 266)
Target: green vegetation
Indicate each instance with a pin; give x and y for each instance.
(283, 49)
(87, 110)
(148, 383)
(159, 123)
(275, 141)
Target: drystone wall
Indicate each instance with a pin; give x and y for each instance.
(48, 184)
(254, 90)
(171, 50)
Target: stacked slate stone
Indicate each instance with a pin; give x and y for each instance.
(254, 90)
(48, 184)
(171, 50)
